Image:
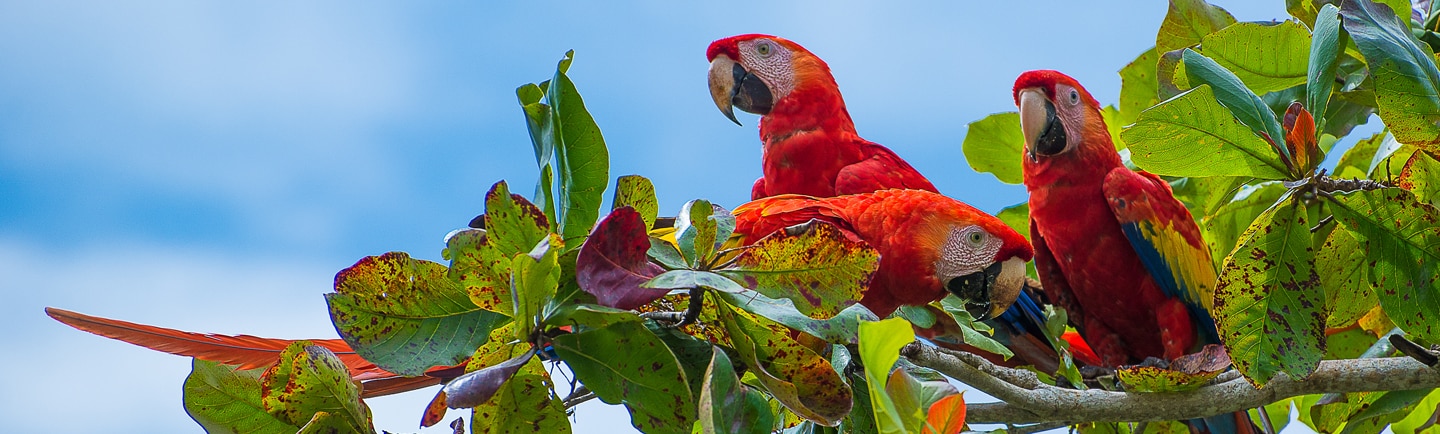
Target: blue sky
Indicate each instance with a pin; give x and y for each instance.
(210, 165)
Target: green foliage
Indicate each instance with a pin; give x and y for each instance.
(994, 145)
(1407, 83)
(405, 315)
(814, 266)
(880, 344)
(1216, 143)
(1399, 236)
(309, 385)
(1267, 304)
(626, 363)
(727, 406)
(1266, 57)
(224, 399)
(1187, 22)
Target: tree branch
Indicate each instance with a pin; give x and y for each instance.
(1028, 401)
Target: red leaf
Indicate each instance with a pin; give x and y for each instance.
(612, 263)
(946, 415)
(474, 388)
(1300, 137)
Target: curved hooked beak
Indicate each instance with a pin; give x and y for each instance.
(731, 86)
(989, 292)
(1044, 133)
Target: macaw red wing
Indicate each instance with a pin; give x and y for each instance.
(758, 218)
(881, 171)
(1167, 241)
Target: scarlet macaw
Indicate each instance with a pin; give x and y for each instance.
(929, 244)
(810, 147)
(1112, 245)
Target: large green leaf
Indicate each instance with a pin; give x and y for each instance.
(814, 265)
(1187, 22)
(1423, 418)
(880, 344)
(1230, 92)
(405, 315)
(1193, 135)
(1266, 57)
(1401, 239)
(799, 378)
(534, 278)
(995, 145)
(1223, 228)
(480, 259)
(582, 164)
(1348, 295)
(1328, 41)
(1407, 84)
(524, 404)
(726, 406)
(1139, 87)
(309, 379)
(625, 363)
(1268, 305)
(1355, 162)
(696, 233)
(224, 399)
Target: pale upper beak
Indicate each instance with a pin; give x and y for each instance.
(1044, 133)
(989, 292)
(732, 87)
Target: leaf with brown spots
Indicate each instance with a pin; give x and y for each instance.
(309, 379)
(524, 404)
(840, 329)
(636, 192)
(613, 265)
(794, 374)
(1187, 372)
(480, 259)
(1407, 83)
(1268, 305)
(405, 315)
(1421, 176)
(625, 363)
(1347, 281)
(224, 399)
(1401, 240)
(727, 406)
(816, 266)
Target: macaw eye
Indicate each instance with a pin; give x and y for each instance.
(1074, 97)
(976, 238)
(763, 49)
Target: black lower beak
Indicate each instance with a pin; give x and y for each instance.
(1052, 139)
(750, 93)
(974, 290)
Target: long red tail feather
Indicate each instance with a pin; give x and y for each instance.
(248, 352)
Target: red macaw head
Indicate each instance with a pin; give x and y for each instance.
(976, 256)
(757, 72)
(1058, 117)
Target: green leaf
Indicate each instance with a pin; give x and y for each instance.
(695, 232)
(1139, 87)
(840, 329)
(524, 404)
(637, 192)
(693, 353)
(726, 406)
(480, 259)
(224, 399)
(625, 363)
(405, 315)
(1328, 41)
(310, 379)
(1193, 135)
(1401, 239)
(1348, 295)
(1187, 22)
(967, 325)
(880, 344)
(1421, 176)
(1266, 57)
(799, 378)
(995, 145)
(1267, 301)
(1407, 84)
(666, 254)
(1245, 105)
(534, 279)
(582, 167)
(589, 315)
(1188, 372)
(813, 265)
(1204, 195)
(685, 279)
(1223, 228)
(1423, 418)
